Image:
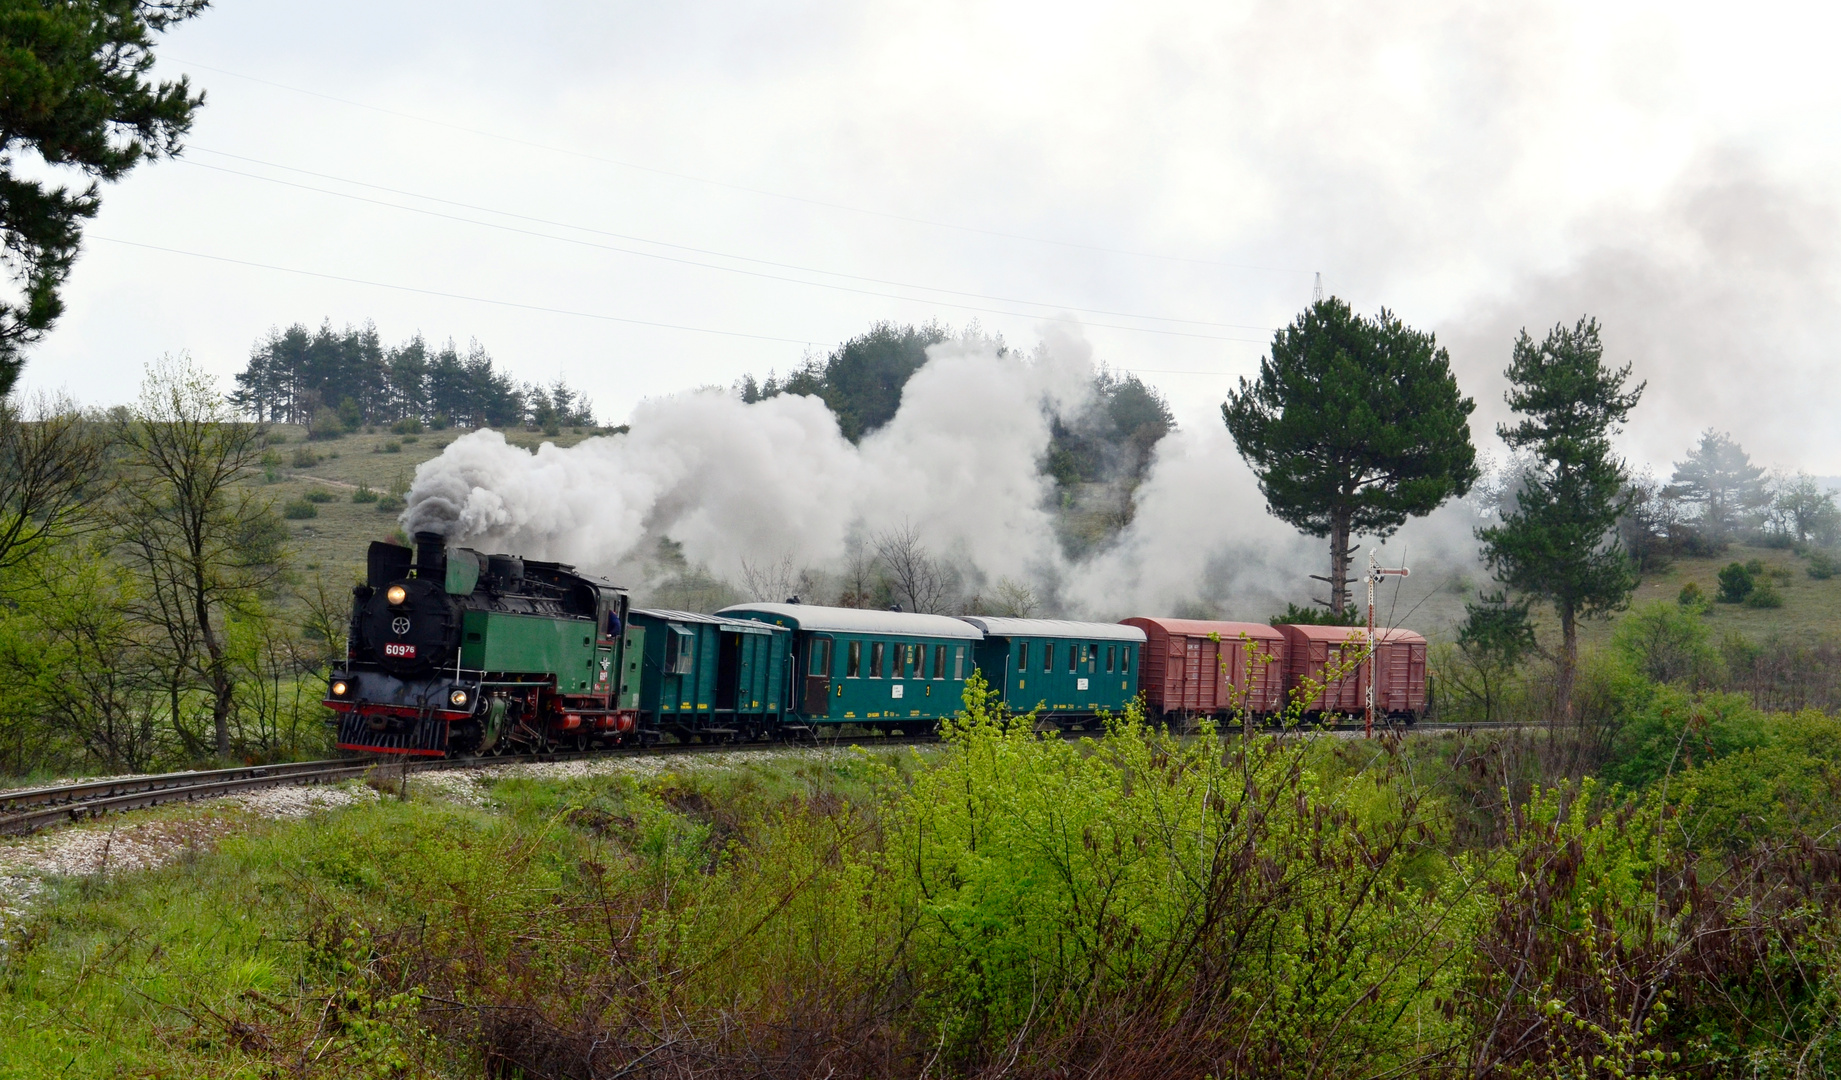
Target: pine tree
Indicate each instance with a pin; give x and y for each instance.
(1353, 426)
(73, 93)
(1559, 545)
(1719, 477)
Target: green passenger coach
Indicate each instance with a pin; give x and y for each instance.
(708, 677)
(890, 670)
(1072, 671)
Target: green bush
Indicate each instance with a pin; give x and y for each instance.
(1667, 643)
(390, 504)
(1764, 595)
(300, 510)
(318, 495)
(407, 426)
(305, 458)
(1736, 583)
(1692, 598)
(1822, 565)
(393, 447)
(364, 494)
(407, 439)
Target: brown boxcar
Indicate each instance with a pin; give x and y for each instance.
(1399, 657)
(1185, 672)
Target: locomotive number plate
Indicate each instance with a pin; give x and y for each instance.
(397, 648)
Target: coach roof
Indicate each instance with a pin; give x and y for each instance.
(834, 620)
(1054, 628)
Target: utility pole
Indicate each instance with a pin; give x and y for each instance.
(1375, 574)
(1316, 294)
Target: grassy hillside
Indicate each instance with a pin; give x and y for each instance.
(334, 540)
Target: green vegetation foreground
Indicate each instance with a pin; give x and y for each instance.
(1010, 905)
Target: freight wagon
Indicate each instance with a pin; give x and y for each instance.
(1327, 669)
(1197, 668)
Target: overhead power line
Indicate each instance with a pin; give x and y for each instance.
(807, 200)
(717, 266)
(455, 296)
(525, 307)
(659, 243)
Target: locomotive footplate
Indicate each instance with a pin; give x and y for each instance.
(418, 736)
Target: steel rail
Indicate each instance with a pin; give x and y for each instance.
(28, 811)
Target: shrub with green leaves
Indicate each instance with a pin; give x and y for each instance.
(305, 458)
(318, 495)
(390, 504)
(1764, 595)
(1692, 598)
(1822, 565)
(1667, 643)
(1736, 583)
(299, 510)
(364, 494)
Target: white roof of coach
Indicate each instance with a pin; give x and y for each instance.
(835, 620)
(1054, 628)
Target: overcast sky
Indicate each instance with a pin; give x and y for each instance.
(644, 197)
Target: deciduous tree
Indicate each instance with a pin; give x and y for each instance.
(1353, 426)
(204, 545)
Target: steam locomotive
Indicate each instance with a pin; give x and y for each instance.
(457, 652)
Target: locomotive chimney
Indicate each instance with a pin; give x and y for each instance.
(431, 556)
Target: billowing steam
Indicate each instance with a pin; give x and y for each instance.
(954, 476)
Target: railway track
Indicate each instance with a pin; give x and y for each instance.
(28, 811)
(23, 812)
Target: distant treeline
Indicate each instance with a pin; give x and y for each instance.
(330, 378)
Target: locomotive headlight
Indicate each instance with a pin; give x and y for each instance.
(339, 688)
(396, 594)
(458, 697)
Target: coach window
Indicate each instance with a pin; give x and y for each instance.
(1092, 659)
(958, 662)
(1022, 656)
(939, 661)
(1125, 659)
(1111, 651)
(853, 660)
(1073, 657)
(1048, 657)
(821, 657)
(875, 659)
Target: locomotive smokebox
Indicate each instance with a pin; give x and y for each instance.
(431, 556)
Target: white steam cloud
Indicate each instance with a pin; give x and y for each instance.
(773, 482)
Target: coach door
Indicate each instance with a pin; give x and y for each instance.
(817, 660)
